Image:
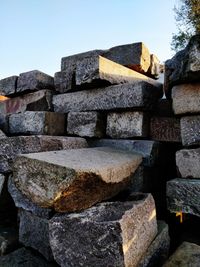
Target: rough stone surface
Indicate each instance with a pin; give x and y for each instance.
(154, 68)
(2, 180)
(64, 81)
(115, 234)
(184, 67)
(183, 195)
(37, 101)
(2, 135)
(100, 70)
(127, 124)
(139, 95)
(158, 251)
(187, 254)
(8, 85)
(74, 180)
(34, 233)
(190, 130)
(34, 80)
(37, 122)
(12, 146)
(188, 163)
(88, 124)
(186, 98)
(148, 149)
(8, 239)
(135, 56)
(166, 129)
(23, 258)
(24, 203)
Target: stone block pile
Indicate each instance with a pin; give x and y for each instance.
(183, 83)
(78, 163)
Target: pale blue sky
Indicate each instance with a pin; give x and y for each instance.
(35, 34)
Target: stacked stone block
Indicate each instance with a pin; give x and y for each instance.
(59, 186)
(183, 83)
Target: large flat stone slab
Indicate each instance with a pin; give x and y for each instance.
(24, 258)
(184, 195)
(86, 124)
(186, 98)
(165, 129)
(74, 180)
(188, 163)
(184, 67)
(187, 254)
(138, 95)
(34, 80)
(37, 101)
(127, 124)
(37, 122)
(8, 85)
(34, 233)
(190, 130)
(147, 148)
(115, 234)
(12, 146)
(158, 251)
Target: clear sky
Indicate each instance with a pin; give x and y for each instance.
(35, 34)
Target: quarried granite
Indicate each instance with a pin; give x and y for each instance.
(138, 95)
(187, 254)
(86, 124)
(8, 85)
(127, 124)
(74, 180)
(12, 146)
(184, 67)
(188, 163)
(115, 234)
(37, 122)
(34, 80)
(183, 196)
(190, 130)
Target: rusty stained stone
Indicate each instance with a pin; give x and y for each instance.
(74, 180)
(165, 129)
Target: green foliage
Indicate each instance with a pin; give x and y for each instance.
(188, 23)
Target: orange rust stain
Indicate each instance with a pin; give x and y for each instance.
(3, 98)
(180, 214)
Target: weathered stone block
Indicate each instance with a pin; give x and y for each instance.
(186, 98)
(37, 122)
(34, 233)
(8, 85)
(64, 81)
(166, 129)
(154, 68)
(23, 258)
(24, 203)
(184, 67)
(74, 180)
(37, 101)
(187, 254)
(190, 130)
(34, 80)
(102, 71)
(139, 95)
(158, 251)
(188, 162)
(183, 195)
(88, 124)
(148, 149)
(127, 124)
(115, 234)
(8, 240)
(12, 146)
